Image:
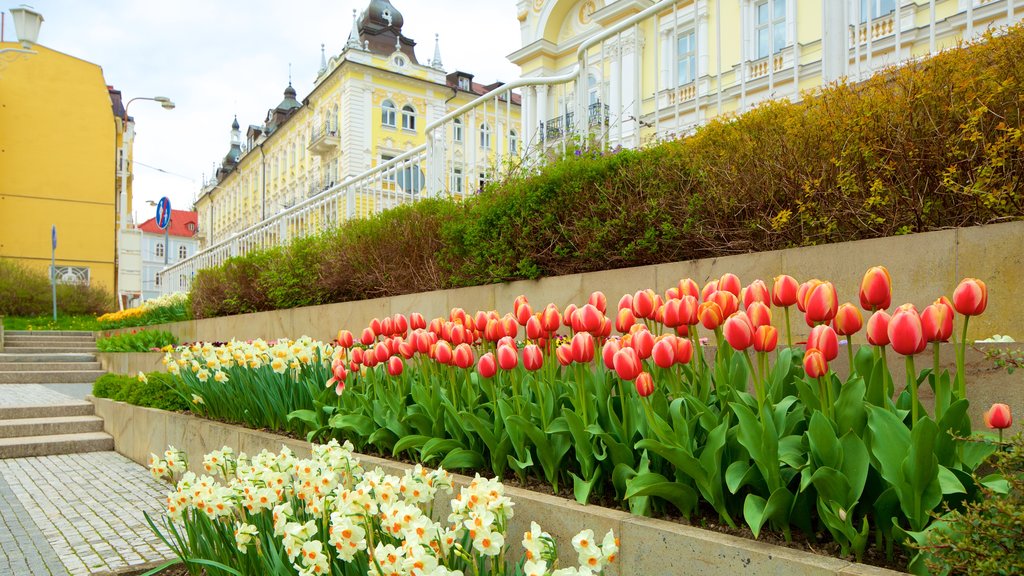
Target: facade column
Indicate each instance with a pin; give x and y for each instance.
(615, 89)
(542, 114)
(833, 40)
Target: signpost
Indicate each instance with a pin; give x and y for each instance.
(53, 268)
(163, 221)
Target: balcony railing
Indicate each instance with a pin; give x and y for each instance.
(324, 139)
(597, 115)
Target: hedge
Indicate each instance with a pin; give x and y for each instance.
(158, 391)
(26, 291)
(930, 145)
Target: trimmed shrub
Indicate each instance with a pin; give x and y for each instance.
(136, 341)
(159, 391)
(26, 291)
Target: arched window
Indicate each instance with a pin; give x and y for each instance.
(485, 135)
(593, 95)
(159, 249)
(457, 130)
(387, 113)
(333, 123)
(408, 117)
(156, 279)
(513, 142)
(182, 252)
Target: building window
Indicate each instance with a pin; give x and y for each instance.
(464, 83)
(182, 252)
(181, 281)
(389, 175)
(156, 279)
(387, 114)
(457, 180)
(513, 142)
(408, 117)
(485, 178)
(770, 27)
(876, 8)
(457, 130)
(485, 135)
(686, 58)
(159, 249)
(593, 89)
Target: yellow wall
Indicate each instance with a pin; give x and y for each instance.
(57, 163)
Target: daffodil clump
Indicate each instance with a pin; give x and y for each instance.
(326, 515)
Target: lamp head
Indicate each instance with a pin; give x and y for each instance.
(26, 24)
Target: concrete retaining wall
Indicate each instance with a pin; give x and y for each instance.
(131, 362)
(648, 546)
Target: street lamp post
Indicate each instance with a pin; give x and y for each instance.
(26, 26)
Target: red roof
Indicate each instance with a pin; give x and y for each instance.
(180, 220)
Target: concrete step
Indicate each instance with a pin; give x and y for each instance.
(46, 357)
(87, 349)
(47, 366)
(23, 427)
(23, 447)
(42, 337)
(19, 344)
(51, 377)
(48, 411)
(48, 333)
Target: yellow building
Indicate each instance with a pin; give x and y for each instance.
(644, 71)
(370, 104)
(60, 135)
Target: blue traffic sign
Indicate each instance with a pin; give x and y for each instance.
(53, 237)
(163, 213)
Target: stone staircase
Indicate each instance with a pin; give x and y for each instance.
(42, 377)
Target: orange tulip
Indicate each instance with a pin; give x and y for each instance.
(730, 283)
(759, 313)
(784, 291)
(756, 292)
(624, 320)
(876, 289)
(672, 293)
(709, 289)
(803, 291)
(937, 322)
(644, 384)
(684, 350)
(815, 364)
(905, 331)
(599, 301)
(509, 326)
(766, 338)
(821, 303)
(998, 417)
(848, 320)
(687, 287)
(710, 315)
(970, 297)
(738, 331)
(823, 338)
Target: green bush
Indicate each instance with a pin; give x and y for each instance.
(26, 291)
(136, 341)
(158, 391)
(931, 145)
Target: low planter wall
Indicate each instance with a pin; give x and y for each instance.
(648, 546)
(131, 362)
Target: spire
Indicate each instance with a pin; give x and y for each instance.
(436, 61)
(323, 61)
(353, 36)
(398, 42)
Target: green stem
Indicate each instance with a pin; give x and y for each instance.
(961, 381)
(822, 396)
(849, 352)
(757, 380)
(789, 334)
(912, 382)
(941, 394)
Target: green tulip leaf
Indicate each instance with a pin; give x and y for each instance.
(362, 425)
(856, 463)
(581, 488)
(823, 442)
(462, 459)
(949, 483)
(412, 442)
(997, 483)
(739, 474)
(649, 484)
(889, 439)
(850, 414)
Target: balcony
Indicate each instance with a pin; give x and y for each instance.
(324, 140)
(555, 128)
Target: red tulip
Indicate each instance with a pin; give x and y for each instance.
(436, 325)
(533, 328)
(937, 322)
(644, 384)
(709, 289)
(599, 301)
(376, 327)
(664, 352)
(738, 331)
(684, 350)
(464, 356)
(759, 313)
(876, 289)
(627, 364)
(784, 291)
(822, 303)
(878, 328)
(345, 339)
(643, 343)
(508, 358)
(582, 347)
(644, 303)
(395, 366)
(443, 352)
(508, 341)
(626, 302)
(756, 292)
(569, 314)
(672, 317)
(401, 324)
(815, 364)
(387, 327)
(533, 358)
(550, 319)
(368, 337)
(606, 328)
(710, 315)
(766, 338)
(416, 321)
(672, 293)
(848, 320)
(589, 318)
(729, 282)
(486, 366)
(382, 352)
(687, 287)
(458, 315)
(727, 301)
(824, 339)
(802, 293)
(998, 417)
(480, 320)
(624, 320)
(519, 301)
(459, 334)
(564, 354)
(905, 331)
(407, 348)
(608, 353)
(357, 355)
(970, 297)
(509, 326)
(524, 313)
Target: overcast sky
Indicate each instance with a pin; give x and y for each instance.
(216, 58)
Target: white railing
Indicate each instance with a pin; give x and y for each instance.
(610, 96)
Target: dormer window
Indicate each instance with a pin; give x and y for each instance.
(399, 61)
(464, 83)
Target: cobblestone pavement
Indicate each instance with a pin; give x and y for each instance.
(12, 395)
(88, 508)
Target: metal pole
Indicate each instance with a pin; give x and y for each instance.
(167, 242)
(53, 270)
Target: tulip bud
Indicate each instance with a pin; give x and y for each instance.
(443, 352)
(664, 352)
(508, 357)
(710, 315)
(550, 319)
(709, 289)
(533, 358)
(937, 322)
(803, 291)
(357, 355)
(848, 320)
(625, 320)
(766, 338)
(376, 327)
(382, 352)
(970, 297)
(608, 353)
(416, 321)
(876, 289)
(407, 348)
(345, 339)
(436, 325)
(627, 364)
(644, 384)
(905, 331)
(464, 356)
(643, 343)
(626, 302)
(757, 291)
(533, 328)
(644, 304)
(599, 301)
(738, 331)
(524, 313)
(480, 320)
(822, 303)
(672, 293)
(815, 364)
(564, 354)
(759, 313)
(784, 291)
(368, 337)
(508, 341)
(387, 327)
(684, 350)
(589, 318)
(687, 287)
(486, 366)
(519, 301)
(727, 301)
(401, 324)
(672, 309)
(729, 282)
(998, 417)
(509, 327)
(395, 366)
(823, 338)
(582, 347)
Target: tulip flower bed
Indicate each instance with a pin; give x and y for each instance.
(326, 515)
(760, 433)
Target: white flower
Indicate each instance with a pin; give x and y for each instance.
(244, 534)
(488, 543)
(535, 568)
(197, 399)
(142, 377)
